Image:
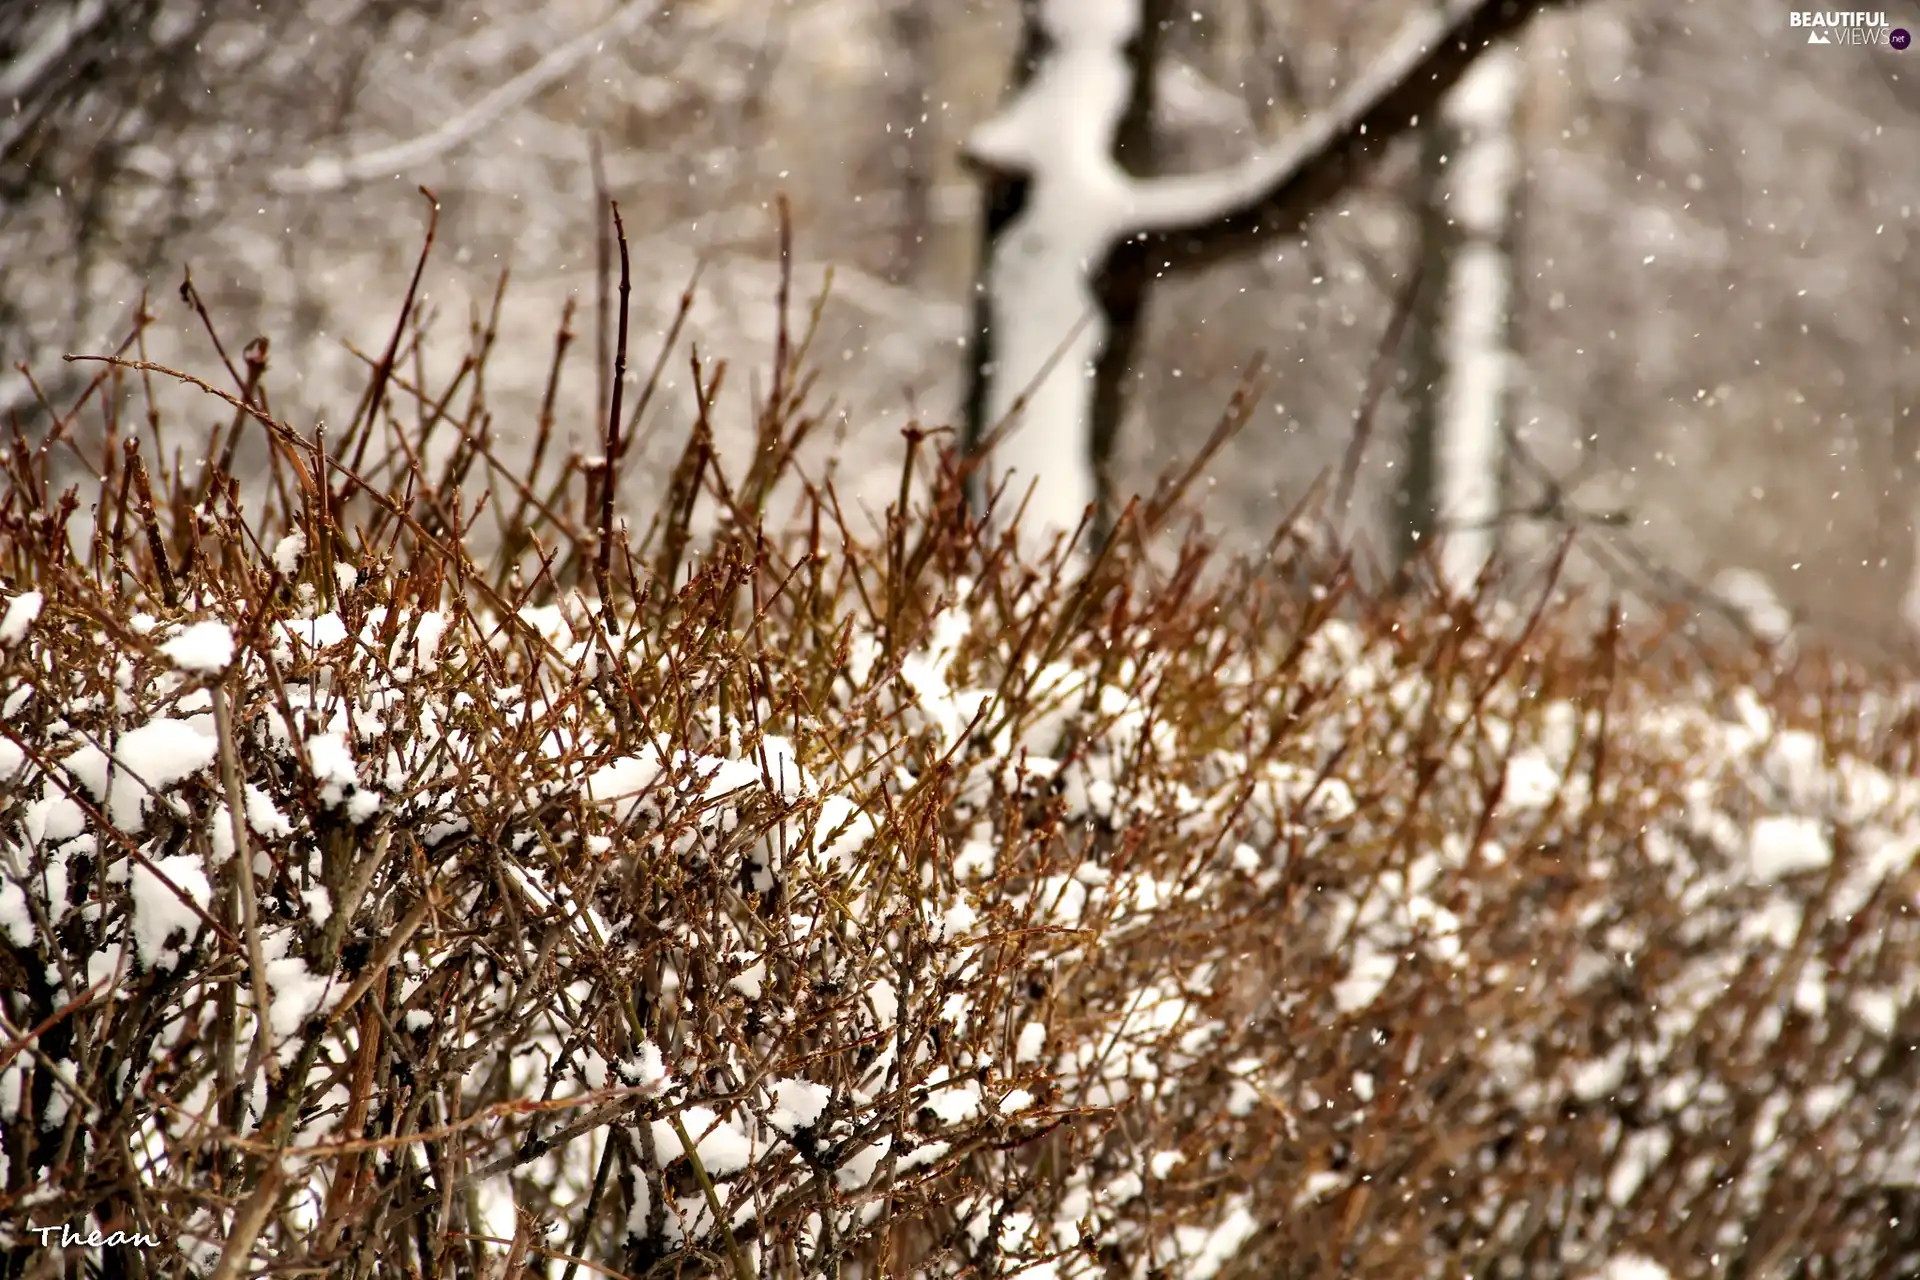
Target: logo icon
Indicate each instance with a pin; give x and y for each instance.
(1899, 38)
(1865, 29)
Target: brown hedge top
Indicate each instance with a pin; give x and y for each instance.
(781, 904)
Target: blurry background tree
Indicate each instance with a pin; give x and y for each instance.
(1712, 343)
(1455, 469)
(122, 119)
(1076, 227)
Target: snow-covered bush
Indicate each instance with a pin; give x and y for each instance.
(785, 905)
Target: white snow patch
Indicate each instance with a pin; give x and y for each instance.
(1879, 1009)
(626, 779)
(287, 553)
(1640, 1153)
(16, 920)
(158, 910)
(842, 831)
(22, 612)
(722, 1148)
(1785, 845)
(1366, 978)
(957, 1104)
(1210, 1249)
(428, 632)
(297, 992)
(146, 762)
(332, 764)
(1629, 1266)
(322, 632)
(1532, 781)
(204, 647)
(797, 1104)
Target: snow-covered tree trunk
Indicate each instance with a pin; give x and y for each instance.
(1062, 279)
(1455, 447)
(1071, 238)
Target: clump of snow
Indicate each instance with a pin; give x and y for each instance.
(158, 906)
(264, 816)
(16, 916)
(204, 647)
(1787, 845)
(1628, 1266)
(22, 612)
(1532, 782)
(331, 760)
(145, 763)
(430, 629)
(287, 553)
(298, 992)
(797, 1104)
(322, 632)
(722, 1148)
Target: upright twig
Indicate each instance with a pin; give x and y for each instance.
(367, 414)
(609, 474)
(230, 780)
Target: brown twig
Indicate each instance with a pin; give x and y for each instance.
(609, 476)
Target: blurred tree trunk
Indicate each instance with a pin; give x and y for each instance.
(912, 153)
(1453, 478)
(1073, 235)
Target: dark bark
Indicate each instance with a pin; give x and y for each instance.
(1352, 148)
(1124, 281)
(1417, 500)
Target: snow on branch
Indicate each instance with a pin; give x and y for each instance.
(51, 44)
(1208, 216)
(881, 931)
(333, 173)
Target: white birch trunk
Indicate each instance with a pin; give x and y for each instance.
(1047, 326)
(1478, 186)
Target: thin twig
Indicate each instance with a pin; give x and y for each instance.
(367, 415)
(262, 1050)
(610, 466)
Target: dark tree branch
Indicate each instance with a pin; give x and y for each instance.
(1338, 146)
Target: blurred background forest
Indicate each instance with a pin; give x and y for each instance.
(1714, 276)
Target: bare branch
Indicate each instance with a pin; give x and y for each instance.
(1203, 218)
(332, 173)
(61, 33)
